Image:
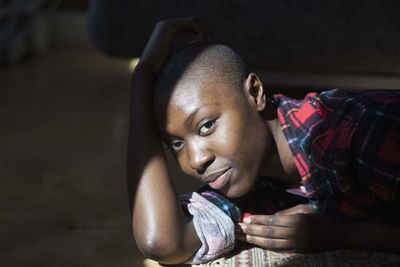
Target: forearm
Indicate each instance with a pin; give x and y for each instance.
(371, 236)
(160, 228)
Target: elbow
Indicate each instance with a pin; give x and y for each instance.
(155, 250)
(165, 251)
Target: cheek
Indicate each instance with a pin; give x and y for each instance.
(248, 146)
(230, 135)
(184, 163)
(239, 140)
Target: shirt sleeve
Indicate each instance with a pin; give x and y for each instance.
(376, 152)
(213, 219)
(365, 153)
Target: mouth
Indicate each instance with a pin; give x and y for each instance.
(220, 180)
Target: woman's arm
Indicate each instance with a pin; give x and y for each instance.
(302, 229)
(162, 231)
(372, 236)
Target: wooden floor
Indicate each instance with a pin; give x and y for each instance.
(63, 201)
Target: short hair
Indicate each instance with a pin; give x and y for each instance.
(202, 60)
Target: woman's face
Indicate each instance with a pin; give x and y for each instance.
(216, 134)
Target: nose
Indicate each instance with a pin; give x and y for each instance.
(200, 157)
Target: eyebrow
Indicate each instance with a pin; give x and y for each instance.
(189, 118)
(166, 137)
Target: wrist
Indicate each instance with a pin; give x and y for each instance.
(360, 235)
(143, 67)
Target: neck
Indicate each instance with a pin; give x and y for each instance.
(278, 162)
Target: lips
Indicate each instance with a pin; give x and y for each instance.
(220, 180)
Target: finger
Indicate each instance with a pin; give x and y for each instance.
(241, 237)
(293, 221)
(303, 208)
(238, 229)
(268, 231)
(268, 243)
(197, 29)
(204, 35)
(188, 24)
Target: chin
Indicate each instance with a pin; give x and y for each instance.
(236, 191)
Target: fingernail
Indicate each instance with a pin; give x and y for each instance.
(247, 220)
(242, 226)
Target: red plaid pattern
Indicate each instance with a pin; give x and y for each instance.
(346, 147)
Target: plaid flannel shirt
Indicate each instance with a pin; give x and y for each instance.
(346, 147)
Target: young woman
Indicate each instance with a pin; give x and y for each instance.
(337, 150)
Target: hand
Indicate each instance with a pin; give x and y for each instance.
(298, 229)
(161, 41)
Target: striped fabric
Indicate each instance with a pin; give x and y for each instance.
(213, 220)
(227, 206)
(346, 147)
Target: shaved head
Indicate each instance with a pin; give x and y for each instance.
(201, 62)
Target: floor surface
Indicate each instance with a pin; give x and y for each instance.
(63, 201)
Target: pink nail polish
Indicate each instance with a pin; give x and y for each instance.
(244, 216)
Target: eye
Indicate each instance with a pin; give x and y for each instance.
(175, 145)
(207, 127)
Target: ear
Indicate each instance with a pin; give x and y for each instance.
(254, 90)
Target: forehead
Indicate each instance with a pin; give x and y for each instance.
(190, 95)
(187, 97)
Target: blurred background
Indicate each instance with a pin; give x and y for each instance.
(64, 89)
(63, 114)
